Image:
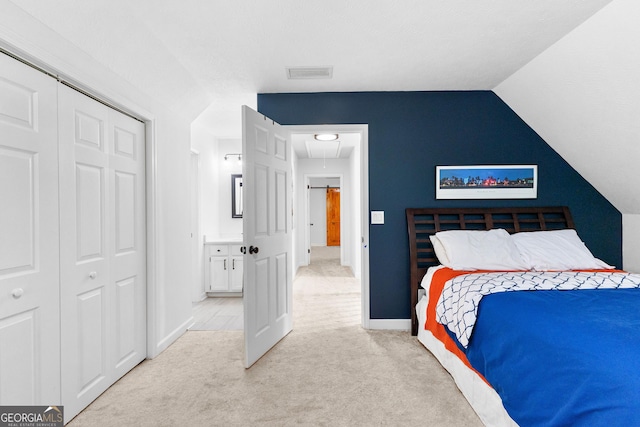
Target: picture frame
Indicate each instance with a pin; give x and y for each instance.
(487, 182)
(236, 196)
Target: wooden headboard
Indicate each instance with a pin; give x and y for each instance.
(422, 222)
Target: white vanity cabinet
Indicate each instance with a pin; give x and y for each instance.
(223, 267)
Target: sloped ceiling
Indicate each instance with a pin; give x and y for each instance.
(207, 58)
(583, 97)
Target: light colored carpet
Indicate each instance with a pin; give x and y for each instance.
(325, 261)
(327, 372)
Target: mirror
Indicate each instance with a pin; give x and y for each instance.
(236, 196)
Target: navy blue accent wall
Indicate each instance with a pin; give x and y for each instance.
(410, 133)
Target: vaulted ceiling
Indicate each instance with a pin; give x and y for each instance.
(206, 58)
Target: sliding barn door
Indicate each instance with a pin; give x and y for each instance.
(29, 255)
(267, 199)
(333, 217)
(103, 281)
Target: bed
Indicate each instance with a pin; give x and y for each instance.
(526, 346)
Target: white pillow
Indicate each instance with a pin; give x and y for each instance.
(441, 253)
(556, 250)
(478, 250)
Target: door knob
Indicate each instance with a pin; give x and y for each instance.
(17, 292)
(253, 249)
(93, 275)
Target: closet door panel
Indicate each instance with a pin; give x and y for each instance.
(103, 260)
(91, 331)
(125, 212)
(29, 255)
(126, 316)
(86, 294)
(90, 215)
(18, 359)
(128, 241)
(17, 225)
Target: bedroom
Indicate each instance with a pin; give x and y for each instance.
(579, 95)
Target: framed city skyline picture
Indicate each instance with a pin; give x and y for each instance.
(487, 182)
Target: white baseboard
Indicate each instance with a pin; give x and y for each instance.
(172, 337)
(223, 294)
(390, 324)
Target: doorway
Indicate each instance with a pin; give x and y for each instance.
(323, 210)
(347, 161)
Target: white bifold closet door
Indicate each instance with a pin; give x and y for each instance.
(29, 257)
(102, 229)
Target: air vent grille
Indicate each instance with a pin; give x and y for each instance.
(295, 73)
(323, 150)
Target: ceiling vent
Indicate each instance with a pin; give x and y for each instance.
(323, 150)
(297, 73)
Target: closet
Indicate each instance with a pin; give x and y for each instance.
(72, 242)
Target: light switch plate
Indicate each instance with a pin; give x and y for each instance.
(377, 217)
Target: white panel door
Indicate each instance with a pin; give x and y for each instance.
(318, 216)
(102, 270)
(29, 254)
(127, 236)
(267, 199)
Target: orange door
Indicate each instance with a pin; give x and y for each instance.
(333, 217)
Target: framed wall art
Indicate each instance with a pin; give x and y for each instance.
(487, 182)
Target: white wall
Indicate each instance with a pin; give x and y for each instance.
(582, 95)
(168, 159)
(631, 242)
(356, 207)
(205, 143)
(296, 226)
(172, 293)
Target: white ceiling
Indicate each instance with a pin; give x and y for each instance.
(207, 58)
(305, 146)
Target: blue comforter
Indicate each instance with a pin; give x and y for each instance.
(562, 358)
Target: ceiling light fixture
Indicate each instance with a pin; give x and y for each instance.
(325, 136)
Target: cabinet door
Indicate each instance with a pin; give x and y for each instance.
(218, 274)
(237, 269)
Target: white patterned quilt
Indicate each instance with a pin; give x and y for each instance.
(457, 306)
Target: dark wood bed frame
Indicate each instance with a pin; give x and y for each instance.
(423, 222)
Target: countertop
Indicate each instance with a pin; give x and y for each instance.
(224, 241)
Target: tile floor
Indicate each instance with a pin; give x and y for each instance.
(215, 314)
